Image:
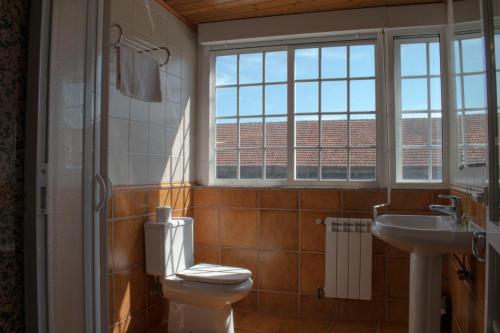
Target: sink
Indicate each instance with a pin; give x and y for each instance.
(428, 238)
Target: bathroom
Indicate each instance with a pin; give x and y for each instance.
(250, 166)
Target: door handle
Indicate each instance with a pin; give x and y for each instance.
(476, 236)
(101, 184)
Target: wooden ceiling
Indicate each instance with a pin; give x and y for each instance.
(195, 12)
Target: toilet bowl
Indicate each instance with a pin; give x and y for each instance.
(200, 296)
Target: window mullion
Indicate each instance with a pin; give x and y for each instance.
(290, 115)
(348, 82)
(238, 146)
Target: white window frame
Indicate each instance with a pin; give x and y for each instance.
(380, 175)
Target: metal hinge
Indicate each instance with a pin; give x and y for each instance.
(42, 189)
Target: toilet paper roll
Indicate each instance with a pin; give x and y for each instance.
(163, 214)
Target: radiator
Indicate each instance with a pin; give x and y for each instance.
(348, 259)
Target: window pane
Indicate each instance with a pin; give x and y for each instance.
(474, 91)
(334, 130)
(414, 129)
(251, 164)
(415, 163)
(434, 59)
(225, 102)
(306, 97)
(250, 68)
(363, 130)
(458, 89)
(250, 101)
(276, 99)
(437, 128)
(476, 127)
(362, 95)
(276, 66)
(306, 161)
(363, 163)
(225, 70)
(435, 87)
(362, 61)
(334, 62)
(226, 164)
(276, 164)
(413, 94)
(472, 55)
(334, 164)
(334, 96)
(497, 54)
(306, 64)
(251, 132)
(306, 131)
(276, 132)
(437, 164)
(226, 133)
(413, 59)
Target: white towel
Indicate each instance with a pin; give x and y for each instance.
(137, 75)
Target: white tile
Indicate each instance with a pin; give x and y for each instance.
(141, 20)
(138, 137)
(158, 168)
(119, 105)
(118, 134)
(174, 115)
(174, 65)
(177, 167)
(139, 110)
(121, 10)
(171, 141)
(118, 168)
(157, 113)
(157, 139)
(173, 88)
(138, 169)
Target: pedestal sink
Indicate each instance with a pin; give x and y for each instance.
(427, 238)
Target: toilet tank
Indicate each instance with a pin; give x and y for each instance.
(169, 246)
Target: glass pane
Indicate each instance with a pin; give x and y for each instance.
(306, 161)
(434, 59)
(276, 66)
(250, 68)
(413, 94)
(226, 133)
(225, 70)
(251, 132)
(363, 161)
(437, 129)
(276, 132)
(276, 99)
(435, 87)
(415, 163)
(334, 62)
(334, 164)
(334, 96)
(306, 131)
(251, 164)
(363, 130)
(306, 97)
(276, 164)
(457, 59)
(250, 101)
(225, 102)
(497, 54)
(334, 130)
(476, 127)
(306, 64)
(362, 61)
(474, 91)
(472, 55)
(362, 95)
(413, 59)
(226, 164)
(460, 127)
(414, 129)
(458, 89)
(437, 164)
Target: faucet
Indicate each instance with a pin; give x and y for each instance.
(454, 210)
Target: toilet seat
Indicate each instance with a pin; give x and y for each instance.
(215, 274)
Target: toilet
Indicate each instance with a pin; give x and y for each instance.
(200, 296)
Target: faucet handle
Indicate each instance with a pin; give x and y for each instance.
(455, 200)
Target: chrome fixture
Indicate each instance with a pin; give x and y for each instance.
(454, 210)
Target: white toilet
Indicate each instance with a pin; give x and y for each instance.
(200, 295)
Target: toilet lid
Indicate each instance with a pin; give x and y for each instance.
(215, 274)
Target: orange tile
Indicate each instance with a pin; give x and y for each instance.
(134, 324)
(129, 292)
(378, 277)
(312, 273)
(278, 271)
(369, 311)
(279, 230)
(278, 304)
(238, 227)
(207, 196)
(206, 226)
(154, 291)
(325, 308)
(159, 198)
(303, 326)
(244, 198)
(248, 303)
(178, 198)
(158, 314)
(208, 254)
(188, 197)
(393, 328)
(411, 200)
(282, 199)
(128, 242)
(397, 311)
(321, 200)
(312, 235)
(398, 277)
(257, 322)
(241, 258)
(129, 203)
(109, 206)
(111, 262)
(111, 315)
(342, 327)
(362, 200)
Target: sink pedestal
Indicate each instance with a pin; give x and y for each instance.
(425, 293)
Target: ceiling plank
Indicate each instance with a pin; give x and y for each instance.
(176, 14)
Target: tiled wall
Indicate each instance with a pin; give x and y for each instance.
(466, 298)
(135, 301)
(150, 143)
(273, 233)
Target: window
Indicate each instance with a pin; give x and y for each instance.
(333, 109)
(418, 110)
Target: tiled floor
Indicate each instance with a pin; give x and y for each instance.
(250, 322)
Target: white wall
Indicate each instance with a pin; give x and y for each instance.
(150, 143)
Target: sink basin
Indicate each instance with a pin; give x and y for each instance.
(424, 234)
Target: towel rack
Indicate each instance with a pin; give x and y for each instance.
(137, 46)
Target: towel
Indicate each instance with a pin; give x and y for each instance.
(137, 75)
